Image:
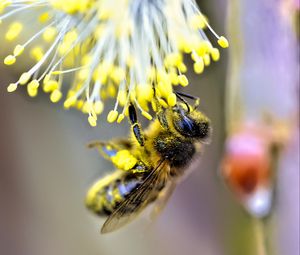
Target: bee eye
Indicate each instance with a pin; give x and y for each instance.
(191, 128)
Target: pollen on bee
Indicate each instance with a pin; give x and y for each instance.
(124, 160)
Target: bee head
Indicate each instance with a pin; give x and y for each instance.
(191, 123)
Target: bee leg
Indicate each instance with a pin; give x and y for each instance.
(160, 112)
(95, 144)
(196, 99)
(136, 127)
(161, 116)
(140, 168)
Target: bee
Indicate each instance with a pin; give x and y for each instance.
(149, 163)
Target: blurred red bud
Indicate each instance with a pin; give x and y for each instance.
(246, 167)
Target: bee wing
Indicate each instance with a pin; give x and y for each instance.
(137, 200)
(109, 149)
(162, 200)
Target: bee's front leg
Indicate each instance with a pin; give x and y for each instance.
(135, 125)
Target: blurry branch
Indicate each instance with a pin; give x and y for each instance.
(233, 111)
(260, 236)
(234, 107)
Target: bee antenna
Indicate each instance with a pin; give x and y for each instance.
(183, 100)
(196, 99)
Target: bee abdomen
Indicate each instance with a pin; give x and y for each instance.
(104, 197)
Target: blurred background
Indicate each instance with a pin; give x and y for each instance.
(46, 169)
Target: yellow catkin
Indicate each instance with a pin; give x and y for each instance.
(98, 74)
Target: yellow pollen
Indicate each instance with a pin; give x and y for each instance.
(199, 66)
(55, 96)
(182, 67)
(206, 59)
(10, 60)
(49, 34)
(69, 102)
(172, 99)
(12, 87)
(37, 53)
(32, 92)
(14, 30)
(4, 4)
(50, 85)
(24, 78)
(92, 120)
(98, 107)
(34, 84)
(124, 160)
(223, 42)
(120, 118)
(18, 50)
(197, 22)
(112, 116)
(44, 17)
(183, 80)
(215, 54)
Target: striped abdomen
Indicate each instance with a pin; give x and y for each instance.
(107, 193)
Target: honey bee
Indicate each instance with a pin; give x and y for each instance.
(149, 164)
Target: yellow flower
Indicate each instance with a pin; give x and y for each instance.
(121, 49)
